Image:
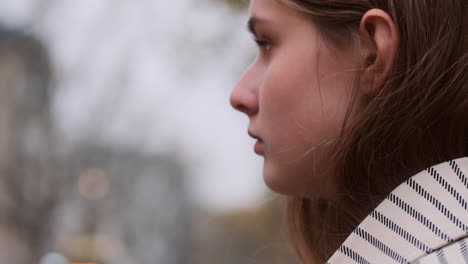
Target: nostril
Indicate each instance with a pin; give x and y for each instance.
(237, 103)
(242, 108)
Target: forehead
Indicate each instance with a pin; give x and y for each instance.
(273, 10)
(266, 7)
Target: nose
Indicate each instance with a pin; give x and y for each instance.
(244, 96)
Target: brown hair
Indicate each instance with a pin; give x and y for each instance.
(418, 119)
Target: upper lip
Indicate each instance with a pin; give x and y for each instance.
(253, 135)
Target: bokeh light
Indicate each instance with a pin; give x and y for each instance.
(94, 184)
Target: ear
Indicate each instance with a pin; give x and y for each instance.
(379, 44)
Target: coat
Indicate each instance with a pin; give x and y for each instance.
(423, 221)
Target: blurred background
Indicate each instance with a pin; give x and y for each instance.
(117, 141)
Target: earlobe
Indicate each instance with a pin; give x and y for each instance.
(379, 44)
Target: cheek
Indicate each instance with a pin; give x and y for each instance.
(291, 107)
(300, 110)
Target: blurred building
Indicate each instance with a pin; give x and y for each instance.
(87, 203)
(132, 208)
(26, 200)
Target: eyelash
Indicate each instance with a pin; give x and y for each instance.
(263, 44)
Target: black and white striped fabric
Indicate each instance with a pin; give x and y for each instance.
(423, 221)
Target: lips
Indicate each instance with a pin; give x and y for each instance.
(252, 135)
(259, 146)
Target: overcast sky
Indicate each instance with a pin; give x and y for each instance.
(156, 75)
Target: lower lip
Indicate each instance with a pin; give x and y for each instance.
(258, 148)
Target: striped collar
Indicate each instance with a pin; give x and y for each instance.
(427, 212)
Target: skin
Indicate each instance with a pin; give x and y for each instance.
(296, 94)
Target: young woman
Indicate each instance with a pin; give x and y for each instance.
(360, 110)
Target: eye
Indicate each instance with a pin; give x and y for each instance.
(263, 44)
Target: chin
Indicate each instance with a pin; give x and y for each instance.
(291, 181)
(282, 182)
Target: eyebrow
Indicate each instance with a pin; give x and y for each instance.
(253, 22)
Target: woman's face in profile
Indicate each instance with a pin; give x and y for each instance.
(296, 94)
